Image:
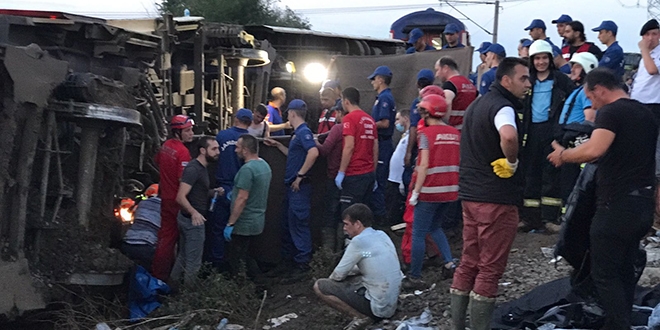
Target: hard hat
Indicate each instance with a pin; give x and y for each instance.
(435, 105)
(152, 190)
(540, 46)
(181, 122)
(126, 203)
(587, 60)
(430, 90)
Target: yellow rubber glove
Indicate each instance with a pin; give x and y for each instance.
(503, 168)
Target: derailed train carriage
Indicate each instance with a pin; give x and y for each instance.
(85, 103)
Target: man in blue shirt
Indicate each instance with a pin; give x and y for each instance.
(418, 42)
(274, 118)
(384, 114)
(301, 155)
(537, 32)
(494, 55)
(613, 56)
(452, 36)
(561, 24)
(228, 166)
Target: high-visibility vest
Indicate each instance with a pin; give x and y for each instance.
(466, 94)
(441, 183)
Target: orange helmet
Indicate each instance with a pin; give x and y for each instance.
(431, 90)
(152, 190)
(181, 122)
(435, 105)
(126, 203)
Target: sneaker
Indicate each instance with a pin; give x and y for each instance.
(411, 284)
(359, 323)
(448, 272)
(552, 228)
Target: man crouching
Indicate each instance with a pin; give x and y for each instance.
(366, 282)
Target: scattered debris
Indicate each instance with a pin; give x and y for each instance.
(418, 322)
(277, 321)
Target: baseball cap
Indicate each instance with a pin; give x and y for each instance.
(497, 49)
(426, 74)
(650, 25)
(527, 43)
(483, 47)
(244, 114)
(297, 104)
(451, 28)
(563, 19)
(381, 71)
(414, 35)
(606, 25)
(330, 84)
(537, 23)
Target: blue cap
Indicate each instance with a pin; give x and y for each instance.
(497, 49)
(381, 71)
(331, 84)
(426, 74)
(563, 19)
(484, 46)
(297, 104)
(527, 43)
(244, 114)
(537, 23)
(607, 25)
(451, 28)
(414, 35)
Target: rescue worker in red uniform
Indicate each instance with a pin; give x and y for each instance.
(436, 185)
(171, 160)
(458, 90)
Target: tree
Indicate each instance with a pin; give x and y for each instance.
(243, 12)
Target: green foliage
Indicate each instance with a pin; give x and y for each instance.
(244, 12)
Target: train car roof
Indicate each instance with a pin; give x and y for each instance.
(288, 30)
(429, 20)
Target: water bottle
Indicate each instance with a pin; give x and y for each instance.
(215, 199)
(222, 325)
(186, 12)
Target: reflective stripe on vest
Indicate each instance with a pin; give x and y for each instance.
(531, 203)
(551, 201)
(439, 190)
(442, 169)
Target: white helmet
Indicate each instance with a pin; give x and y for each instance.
(540, 46)
(587, 60)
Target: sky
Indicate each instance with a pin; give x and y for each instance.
(374, 17)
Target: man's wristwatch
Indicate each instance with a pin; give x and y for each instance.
(302, 175)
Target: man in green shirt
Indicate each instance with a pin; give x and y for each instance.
(249, 199)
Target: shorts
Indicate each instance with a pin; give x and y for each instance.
(351, 291)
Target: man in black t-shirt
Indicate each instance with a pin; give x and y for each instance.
(624, 145)
(193, 197)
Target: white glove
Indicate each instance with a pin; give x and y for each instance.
(402, 189)
(413, 198)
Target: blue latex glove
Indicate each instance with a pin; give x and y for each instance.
(228, 195)
(375, 185)
(228, 231)
(339, 179)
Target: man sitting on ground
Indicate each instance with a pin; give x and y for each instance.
(371, 255)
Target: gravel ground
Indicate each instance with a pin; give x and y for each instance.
(527, 268)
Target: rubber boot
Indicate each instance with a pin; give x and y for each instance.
(328, 239)
(481, 311)
(459, 305)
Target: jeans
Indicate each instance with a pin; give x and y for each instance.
(428, 219)
(167, 237)
(331, 216)
(488, 233)
(395, 204)
(296, 235)
(215, 227)
(191, 248)
(615, 233)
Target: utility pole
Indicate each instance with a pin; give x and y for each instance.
(496, 20)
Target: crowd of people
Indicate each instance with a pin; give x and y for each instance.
(495, 150)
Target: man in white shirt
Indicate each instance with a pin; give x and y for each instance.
(372, 294)
(394, 193)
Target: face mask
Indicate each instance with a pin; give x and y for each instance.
(399, 127)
